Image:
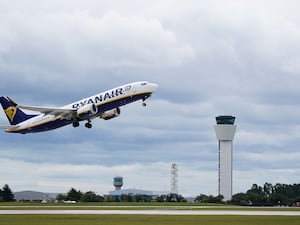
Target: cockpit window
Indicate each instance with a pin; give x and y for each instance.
(143, 84)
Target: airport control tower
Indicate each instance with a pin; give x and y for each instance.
(118, 183)
(225, 130)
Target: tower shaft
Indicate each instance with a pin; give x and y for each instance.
(225, 169)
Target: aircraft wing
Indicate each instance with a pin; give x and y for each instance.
(65, 113)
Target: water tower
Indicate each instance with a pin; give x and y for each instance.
(118, 183)
(225, 130)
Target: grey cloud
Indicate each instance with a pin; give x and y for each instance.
(208, 58)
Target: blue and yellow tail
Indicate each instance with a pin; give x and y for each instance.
(13, 114)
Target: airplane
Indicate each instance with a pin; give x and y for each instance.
(105, 105)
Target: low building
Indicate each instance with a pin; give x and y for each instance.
(117, 194)
(34, 196)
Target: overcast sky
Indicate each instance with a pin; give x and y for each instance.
(209, 58)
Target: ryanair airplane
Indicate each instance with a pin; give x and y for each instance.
(105, 105)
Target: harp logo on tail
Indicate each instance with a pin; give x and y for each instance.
(11, 112)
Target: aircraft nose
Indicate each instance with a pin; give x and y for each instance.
(154, 86)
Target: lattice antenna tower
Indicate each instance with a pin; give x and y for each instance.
(174, 178)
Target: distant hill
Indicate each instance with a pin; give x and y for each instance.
(34, 196)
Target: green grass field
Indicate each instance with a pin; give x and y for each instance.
(140, 219)
(145, 220)
(135, 206)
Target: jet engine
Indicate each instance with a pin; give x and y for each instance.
(110, 114)
(89, 108)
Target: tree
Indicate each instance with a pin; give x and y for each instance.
(90, 196)
(201, 198)
(109, 198)
(1, 198)
(279, 194)
(171, 198)
(142, 198)
(279, 199)
(161, 198)
(74, 195)
(240, 199)
(209, 199)
(7, 195)
(256, 189)
(126, 198)
(61, 197)
(268, 189)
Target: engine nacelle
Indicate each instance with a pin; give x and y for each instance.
(90, 108)
(110, 114)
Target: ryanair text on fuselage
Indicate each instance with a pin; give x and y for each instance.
(103, 97)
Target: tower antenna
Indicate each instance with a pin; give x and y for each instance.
(174, 178)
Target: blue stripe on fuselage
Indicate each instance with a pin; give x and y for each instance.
(101, 109)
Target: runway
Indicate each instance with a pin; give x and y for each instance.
(150, 212)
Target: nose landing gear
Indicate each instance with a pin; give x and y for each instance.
(144, 103)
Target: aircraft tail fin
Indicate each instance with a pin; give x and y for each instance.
(14, 114)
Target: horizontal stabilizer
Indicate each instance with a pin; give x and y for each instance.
(13, 127)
